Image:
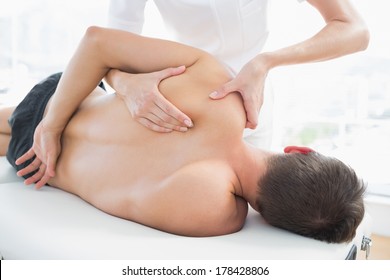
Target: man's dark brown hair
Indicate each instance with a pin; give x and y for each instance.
(312, 195)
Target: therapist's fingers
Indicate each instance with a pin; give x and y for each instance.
(171, 115)
(252, 109)
(148, 106)
(252, 98)
(162, 116)
(153, 126)
(154, 123)
(253, 101)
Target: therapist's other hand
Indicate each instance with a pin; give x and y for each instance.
(44, 154)
(249, 83)
(148, 106)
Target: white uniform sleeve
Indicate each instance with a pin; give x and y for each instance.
(126, 15)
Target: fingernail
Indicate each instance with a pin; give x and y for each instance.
(213, 94)
(183, 129)
(188, 123)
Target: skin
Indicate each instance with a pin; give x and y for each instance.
(116, 164)
(5, 129)
(344, 33)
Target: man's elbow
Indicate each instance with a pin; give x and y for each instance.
(93, 34)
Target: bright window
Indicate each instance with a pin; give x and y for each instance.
(38, 37)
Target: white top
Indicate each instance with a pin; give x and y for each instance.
(233, 30)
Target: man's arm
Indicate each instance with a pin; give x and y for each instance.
(102, 49)
(141, 94)
(99, 51)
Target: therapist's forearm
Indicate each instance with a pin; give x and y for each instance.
(336, 39)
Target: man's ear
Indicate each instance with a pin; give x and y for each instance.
(296, 149)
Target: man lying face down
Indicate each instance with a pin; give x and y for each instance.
(195, 179)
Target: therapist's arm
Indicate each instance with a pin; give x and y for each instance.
(344, 33)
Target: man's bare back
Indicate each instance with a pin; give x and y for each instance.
(197, 183)
(183, 183)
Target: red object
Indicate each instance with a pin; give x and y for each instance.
(296, 149)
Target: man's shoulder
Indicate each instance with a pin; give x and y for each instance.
(207, 173)
(207, 183)
(204, 191)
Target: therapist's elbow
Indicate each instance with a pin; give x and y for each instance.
(362, 35)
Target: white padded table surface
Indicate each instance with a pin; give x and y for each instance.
(52, 224)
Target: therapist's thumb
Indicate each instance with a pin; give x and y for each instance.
(221, 92)
(171, 71)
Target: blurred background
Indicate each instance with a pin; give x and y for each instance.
(340, 107)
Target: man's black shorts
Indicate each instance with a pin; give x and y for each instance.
(26, 118)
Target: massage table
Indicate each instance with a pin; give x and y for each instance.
(52, 224)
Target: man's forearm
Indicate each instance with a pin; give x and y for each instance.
(83, 73)
(117, 80)
(114, 79)
(104, 49)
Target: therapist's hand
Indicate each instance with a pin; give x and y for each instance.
(147, 105)
(249, 83)
(44, 152)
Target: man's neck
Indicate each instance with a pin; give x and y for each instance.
(250, 165)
